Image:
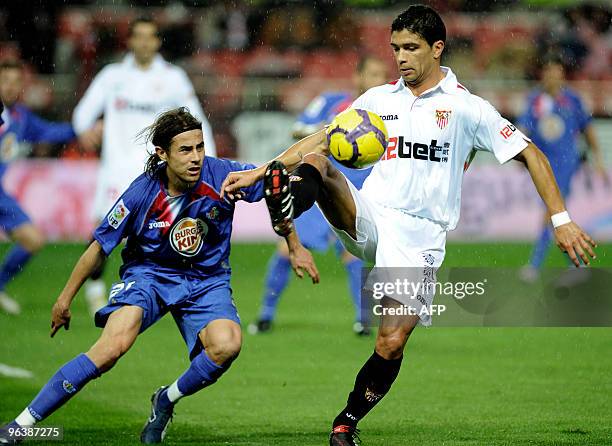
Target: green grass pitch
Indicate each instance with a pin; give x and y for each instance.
(458, 386)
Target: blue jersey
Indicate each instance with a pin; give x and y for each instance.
(554, 124)
(21, 125)
(189, 233)
(320, 112)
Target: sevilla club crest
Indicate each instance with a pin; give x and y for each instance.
(442, 117)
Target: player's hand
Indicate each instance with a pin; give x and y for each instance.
(575, 242)
(300, 258)
(60, 317)
(237, 180)
(91, 139)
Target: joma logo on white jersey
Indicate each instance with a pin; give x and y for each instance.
(159, 224)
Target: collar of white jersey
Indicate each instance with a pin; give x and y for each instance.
(130, 61)
(448, 84)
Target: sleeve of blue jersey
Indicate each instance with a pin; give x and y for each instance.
(114, 228)
(41, 130)
(583, 117)
(223, 167)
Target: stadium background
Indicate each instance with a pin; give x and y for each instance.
(254, 66)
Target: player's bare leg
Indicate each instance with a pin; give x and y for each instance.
(119, 334)
(29, 240)
(221, 340)
(376, 376)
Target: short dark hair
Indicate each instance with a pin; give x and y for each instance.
(160, 134)
(11, 64)
(421, 20)
(142, 19)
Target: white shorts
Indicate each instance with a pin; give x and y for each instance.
(393, 239)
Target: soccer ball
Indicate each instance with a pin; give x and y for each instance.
(357, 138)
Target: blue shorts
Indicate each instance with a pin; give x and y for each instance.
(314, 231)
(11, 214)
(192, 303)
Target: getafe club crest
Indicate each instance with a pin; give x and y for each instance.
(187, 236)
(213, 213)
(442, 117)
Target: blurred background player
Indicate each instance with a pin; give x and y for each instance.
(130, 94)
(313, 229)
(554, 118)
(20, 129)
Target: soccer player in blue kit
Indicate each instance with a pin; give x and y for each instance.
(554, 118)
(19, 130)
(313, 230)
(176, 260)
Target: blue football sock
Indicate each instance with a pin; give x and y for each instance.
(62, 386)
(14, 262)
(202, 372)
(353, 268)
(276, 281)
(541, 248)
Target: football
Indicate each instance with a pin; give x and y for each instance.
(357, 138)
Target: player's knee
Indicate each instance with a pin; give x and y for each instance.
(320, 162)
(37, 242)
(225, 351)
(391, 345)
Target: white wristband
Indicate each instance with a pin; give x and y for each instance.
(560, 219)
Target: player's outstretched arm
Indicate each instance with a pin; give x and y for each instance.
(60, 313)
(569, 236)
(317, 143)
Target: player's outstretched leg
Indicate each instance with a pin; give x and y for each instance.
(314, 180)
(118, 336)
(221, 340)
(375, 377)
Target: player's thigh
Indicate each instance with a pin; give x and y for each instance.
(28, 236)
(209, 317)
(11, 214)
(335, 198)
(119, 334)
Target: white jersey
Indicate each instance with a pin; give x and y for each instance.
(130, 98)
(430, 139)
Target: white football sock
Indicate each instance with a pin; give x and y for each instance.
(174, 394)
(25, 419)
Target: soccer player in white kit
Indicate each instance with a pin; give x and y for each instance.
(412, 197)
(130, 94)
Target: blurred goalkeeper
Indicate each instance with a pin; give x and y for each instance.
(313, 229)
(176, 260)
(411, 199)
(554, 119)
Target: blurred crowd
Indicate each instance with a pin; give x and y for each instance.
(277, 55)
